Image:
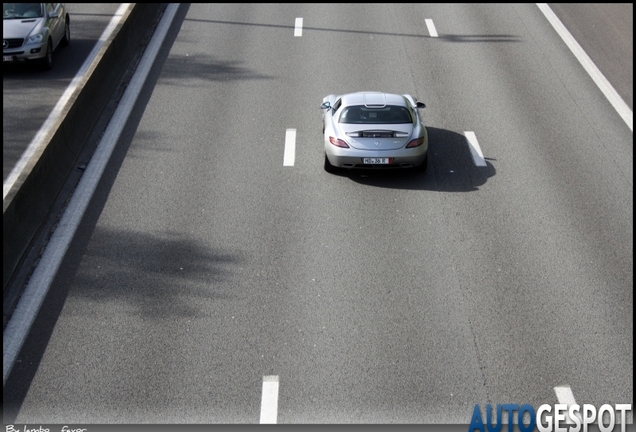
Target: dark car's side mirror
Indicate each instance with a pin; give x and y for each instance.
(325, 105)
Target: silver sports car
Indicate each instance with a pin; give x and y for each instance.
(373, 130)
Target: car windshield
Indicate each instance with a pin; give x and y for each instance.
(21, 10)
(389, 114)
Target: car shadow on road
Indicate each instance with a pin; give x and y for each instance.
(450, 168)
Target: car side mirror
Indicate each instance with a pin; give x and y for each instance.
(420, 105)
(55, 13)
(325, 105)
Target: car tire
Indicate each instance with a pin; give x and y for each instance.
(66, 39)
(328, 167)
(422, 168)
(47, 60)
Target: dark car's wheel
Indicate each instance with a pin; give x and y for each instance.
(328, 167)
(67, 34)
(47, 61)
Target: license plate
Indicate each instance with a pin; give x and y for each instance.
(7, 58)
(376, 161)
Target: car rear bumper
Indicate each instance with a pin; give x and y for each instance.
(351, 158)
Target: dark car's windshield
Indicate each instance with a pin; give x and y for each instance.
(21, 10)
(389, 114)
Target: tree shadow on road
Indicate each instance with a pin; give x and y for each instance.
(163, 276)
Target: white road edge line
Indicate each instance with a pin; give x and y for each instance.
(290, 147)
(565, 396)
(431, 27)
(22, 319)
(37, 145)
(612, 95)
(475, 150)
(269, 400)
(298, 27)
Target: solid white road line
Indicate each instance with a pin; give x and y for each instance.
(37, 145)
(290, 147)
(475, 150)
(22, 319)
(298, 28)
(269, 400)
(612, 95)
(431, 27)
(565, 396)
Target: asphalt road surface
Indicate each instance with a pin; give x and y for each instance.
(208, 270)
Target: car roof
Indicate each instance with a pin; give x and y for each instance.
(373, 99)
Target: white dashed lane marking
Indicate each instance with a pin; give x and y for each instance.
(298, 27)
(475, 150)
(290, 147)
(431, 27)
(269, 401)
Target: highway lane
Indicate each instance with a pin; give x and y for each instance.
(602, 30)
(605, 33)
(29, 94)
(373, 298)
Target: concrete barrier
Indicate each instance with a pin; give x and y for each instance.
(29, 202)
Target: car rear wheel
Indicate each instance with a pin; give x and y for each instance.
(328, 167)
(424, 166)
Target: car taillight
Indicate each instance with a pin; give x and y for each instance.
(415, 143)
(338, 142)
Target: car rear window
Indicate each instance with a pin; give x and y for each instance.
(389, 114)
